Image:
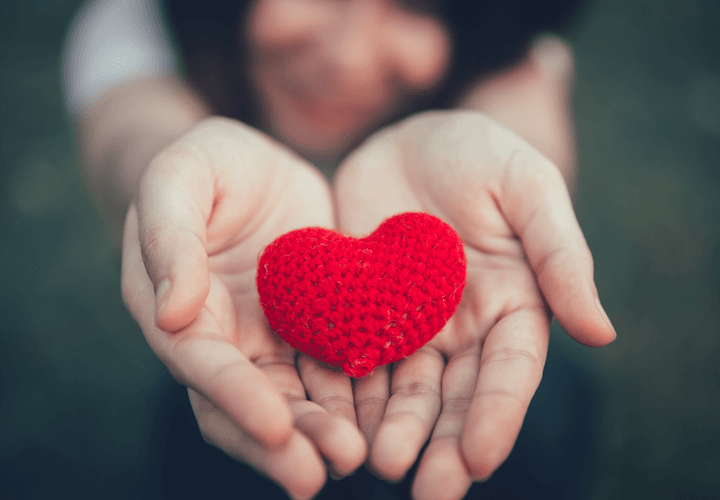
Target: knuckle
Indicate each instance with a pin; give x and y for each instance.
(151, 242)
(338, 405)
(511, 356)
(293, 397)
(413, 389)
(507, 395)
(456, 405)
(334, 399)
(370, 401)
(546, 263)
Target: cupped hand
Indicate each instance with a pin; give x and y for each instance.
(468, 389)
(205, 209)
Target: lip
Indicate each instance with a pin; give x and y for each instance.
(322, 112)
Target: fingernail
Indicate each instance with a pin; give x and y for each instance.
(604, 315)
(161, 296)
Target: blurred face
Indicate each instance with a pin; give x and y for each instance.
(326, 71)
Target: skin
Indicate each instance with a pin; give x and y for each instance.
(209, 193)
(327, 72)
(468, 389)
(205, 209)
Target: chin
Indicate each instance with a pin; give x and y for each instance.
(313, 143)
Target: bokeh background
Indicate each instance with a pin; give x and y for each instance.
(81, 393)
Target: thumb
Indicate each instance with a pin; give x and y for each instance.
(173, 204)
(537, 205)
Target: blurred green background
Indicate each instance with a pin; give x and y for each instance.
(79, 386)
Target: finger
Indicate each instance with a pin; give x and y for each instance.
(201, 357)
(329, 417)
(331, 389)
(296, 467)
(338, 441)
(442, 473)
(220, 372)
(511, 367)
(371, 396)
(137, 289)
(536, 203)
(411, 412)
(174, 201)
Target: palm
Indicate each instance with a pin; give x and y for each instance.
(468, 389)
(206, 209)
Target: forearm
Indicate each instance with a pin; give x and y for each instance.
(123, 130)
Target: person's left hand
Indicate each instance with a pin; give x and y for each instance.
(469, 388)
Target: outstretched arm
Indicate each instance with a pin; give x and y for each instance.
(208, 196)
(123, 130)
(121, 92)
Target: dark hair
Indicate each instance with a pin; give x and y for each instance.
(486, 35)
(207, 32)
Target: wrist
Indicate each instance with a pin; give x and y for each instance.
(121, 132)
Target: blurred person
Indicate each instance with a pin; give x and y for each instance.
(403, 105)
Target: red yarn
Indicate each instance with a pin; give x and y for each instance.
(360, 303)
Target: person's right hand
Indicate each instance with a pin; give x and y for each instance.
(205, 209)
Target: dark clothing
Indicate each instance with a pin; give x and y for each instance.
(550, 460)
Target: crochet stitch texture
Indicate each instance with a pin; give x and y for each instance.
(360, 303)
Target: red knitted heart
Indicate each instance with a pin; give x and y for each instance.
(360, 303)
